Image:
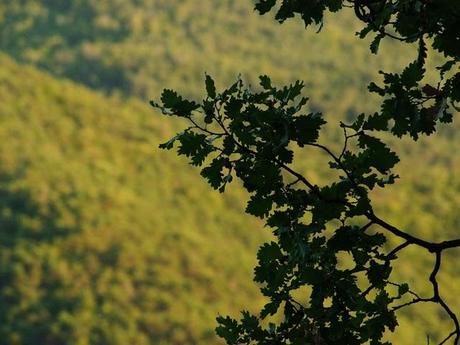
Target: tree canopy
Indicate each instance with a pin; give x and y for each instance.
(254, 135)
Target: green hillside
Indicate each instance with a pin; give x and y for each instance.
(139, 47)
(106, 240)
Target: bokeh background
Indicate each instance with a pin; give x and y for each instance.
(105, 240)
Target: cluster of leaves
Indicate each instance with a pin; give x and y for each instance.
(251, 135)
(418, 106)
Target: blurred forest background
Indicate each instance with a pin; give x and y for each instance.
(105, 240)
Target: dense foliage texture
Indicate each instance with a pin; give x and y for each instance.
(251, 135)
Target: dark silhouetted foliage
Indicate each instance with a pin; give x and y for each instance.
(254, 135)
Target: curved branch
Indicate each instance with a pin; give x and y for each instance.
(432, 247)
(438, 299)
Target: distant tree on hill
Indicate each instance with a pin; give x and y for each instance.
(253, 135)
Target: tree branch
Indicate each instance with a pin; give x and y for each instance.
(432, 247)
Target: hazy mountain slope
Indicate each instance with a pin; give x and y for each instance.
(104, 239)
(139, 47)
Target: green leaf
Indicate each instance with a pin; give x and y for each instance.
(265, 82)
(233, 108)
(376, 42)
(195, 146)
(378, 273)
(208, 107)
(264, 177)
(269, 252)
(412, 74)
(170, 143)
(377, 154)
(403, 289)
(305, 128)
(360, 256)
(289, 93)
(444, 68)
(228, 145)
(376, 122)
(270, 308)
(178, 106)
(210, 87)
(364, 32)
(228, 329)
(249, 321)
(373, 87)
(455, 82)
(334, 5)
(213, 172)
(259, 205)
(263, 6)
